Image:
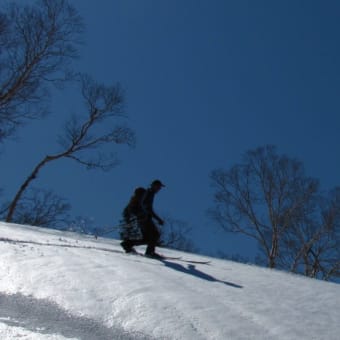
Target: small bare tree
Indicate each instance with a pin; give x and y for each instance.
(83, 136)
(261, 198)
(312, 245)
(82, 225)
(42, 208)
(37, 42)
(174, 234)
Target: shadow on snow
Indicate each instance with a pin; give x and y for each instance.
(192, 270)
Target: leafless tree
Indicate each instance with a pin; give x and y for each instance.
(312, 245)
(261, 198)
(174, 234)
(42, 208)
(37, 43)
(85, 138)
(83, 225)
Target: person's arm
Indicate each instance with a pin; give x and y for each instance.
(147, 205)
(159, 220)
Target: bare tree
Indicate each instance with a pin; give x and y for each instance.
(85, 135)
(83, 225)
(174, 234)
(262, 197)
(329, 246)
(42, 208)
(37, 42)
(312, 245)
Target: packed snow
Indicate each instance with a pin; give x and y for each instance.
(58, 285)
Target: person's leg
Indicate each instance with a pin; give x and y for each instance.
(127, 245)
(130, 236)
(151, 236)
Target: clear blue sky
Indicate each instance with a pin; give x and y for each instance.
(205, 81)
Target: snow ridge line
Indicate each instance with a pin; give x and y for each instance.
(165, 258)
(63, 245)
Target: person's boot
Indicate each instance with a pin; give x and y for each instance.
(126, 245)
(156, 256)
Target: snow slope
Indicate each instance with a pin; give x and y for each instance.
(57, 285)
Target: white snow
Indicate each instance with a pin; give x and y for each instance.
(57, 285)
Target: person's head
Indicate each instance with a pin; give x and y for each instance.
(157, 185)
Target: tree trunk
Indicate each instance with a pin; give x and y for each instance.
(274, 250)
(24, 186)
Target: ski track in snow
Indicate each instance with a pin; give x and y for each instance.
(47, 318)
(43, 319)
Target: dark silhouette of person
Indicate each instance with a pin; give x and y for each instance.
(139, 212)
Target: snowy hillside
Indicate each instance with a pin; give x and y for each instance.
(56, 285)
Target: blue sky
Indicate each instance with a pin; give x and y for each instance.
(205, 81)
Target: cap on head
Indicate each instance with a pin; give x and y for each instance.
(157, 182)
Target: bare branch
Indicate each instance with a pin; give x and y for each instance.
(42, 208)
(83, 136)
(261, 197)
(37, 43)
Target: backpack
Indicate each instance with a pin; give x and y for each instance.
(134, 209)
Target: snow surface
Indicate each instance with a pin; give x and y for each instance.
(57, 285)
